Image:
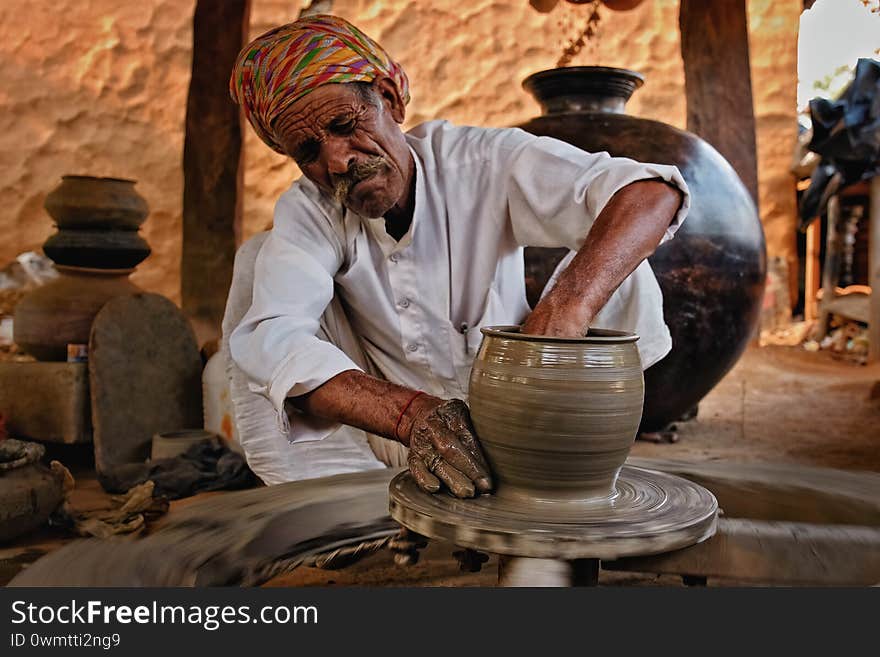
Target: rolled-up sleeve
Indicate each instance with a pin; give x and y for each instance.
(555, 191)
(276, 343)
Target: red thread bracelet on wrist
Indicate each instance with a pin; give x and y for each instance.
(405, 408)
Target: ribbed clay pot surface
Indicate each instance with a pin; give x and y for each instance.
(92, 202)
(61, 311)
(556, 417)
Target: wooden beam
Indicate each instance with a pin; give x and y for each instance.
(718, 83)
(212, 171)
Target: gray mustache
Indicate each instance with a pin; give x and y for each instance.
(357, 172)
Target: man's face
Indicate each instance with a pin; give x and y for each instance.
(352, 148)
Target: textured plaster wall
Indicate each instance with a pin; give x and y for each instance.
(94, 88)
(466, 60)
(773, 26)
(100, 88)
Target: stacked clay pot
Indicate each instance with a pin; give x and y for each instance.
(96, 248)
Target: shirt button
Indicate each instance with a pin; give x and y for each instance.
(404, 303)
(394, 257)
(412, 347)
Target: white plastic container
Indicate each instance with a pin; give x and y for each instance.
(218, 411)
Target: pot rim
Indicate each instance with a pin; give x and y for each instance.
(593, 73)
(594, 335)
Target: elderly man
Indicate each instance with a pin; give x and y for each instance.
(394, 248)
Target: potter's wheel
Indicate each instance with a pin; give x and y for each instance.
(651, 512)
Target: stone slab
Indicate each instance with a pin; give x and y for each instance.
(146, 377)
(48, 402)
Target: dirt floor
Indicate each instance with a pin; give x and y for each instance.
(779, 404)
(784, 404)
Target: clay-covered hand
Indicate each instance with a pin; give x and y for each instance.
(443, 447)
(559, 319)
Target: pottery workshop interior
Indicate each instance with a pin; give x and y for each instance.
(383, 293)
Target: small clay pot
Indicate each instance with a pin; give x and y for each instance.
(100, 249)
(29, 491)
(61, 311)
(556, 416)
(92, 202)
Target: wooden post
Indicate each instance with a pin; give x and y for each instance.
(718, 83)
(831, 268)
(212, 168)
(813, 267)
(874, 271)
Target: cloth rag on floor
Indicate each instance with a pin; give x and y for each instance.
(207, 465)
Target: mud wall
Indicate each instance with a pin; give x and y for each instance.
(100, 88)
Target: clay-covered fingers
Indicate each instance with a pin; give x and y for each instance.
(464, 453)
(423, 477)
(463, 461)
(428, 469)
(458, 484)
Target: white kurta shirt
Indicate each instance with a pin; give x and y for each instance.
(417, 305)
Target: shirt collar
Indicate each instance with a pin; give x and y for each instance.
(377, 226)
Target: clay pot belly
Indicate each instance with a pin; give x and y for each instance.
(556, 417)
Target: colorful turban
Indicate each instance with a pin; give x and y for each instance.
(286, 63)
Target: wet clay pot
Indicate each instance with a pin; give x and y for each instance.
(556, 416)
(712, 273)
(89, 202)
(61, 312)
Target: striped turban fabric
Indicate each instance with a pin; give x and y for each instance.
(286, 63)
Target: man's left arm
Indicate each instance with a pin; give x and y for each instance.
(627, 230)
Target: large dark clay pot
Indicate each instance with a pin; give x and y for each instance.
(712, 273)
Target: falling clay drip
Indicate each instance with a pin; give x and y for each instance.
(574, 46)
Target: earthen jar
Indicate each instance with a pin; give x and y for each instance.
(556, 416)
(711, 274)
(29, 491)
(91, 202)
(61, 312)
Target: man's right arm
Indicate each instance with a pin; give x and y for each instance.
(437, 431)
(276, 345)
